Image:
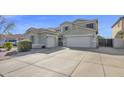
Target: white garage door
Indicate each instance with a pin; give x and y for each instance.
(78, 41)
(51, 42)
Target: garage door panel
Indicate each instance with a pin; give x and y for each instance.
(79, 41)
(51, 42)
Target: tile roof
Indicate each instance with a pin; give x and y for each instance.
(16, 36)
(40, 30)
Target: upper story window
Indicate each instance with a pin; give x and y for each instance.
(66, 28)
(89, 25)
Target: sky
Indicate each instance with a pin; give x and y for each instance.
(23, 22)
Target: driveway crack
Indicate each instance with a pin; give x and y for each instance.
(41, 67)
(102, 65)
(82, 58)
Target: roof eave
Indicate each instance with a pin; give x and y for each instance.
(117, 21)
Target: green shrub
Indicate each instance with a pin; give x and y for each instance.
(1, 46)
(8, 45)
(24, 45)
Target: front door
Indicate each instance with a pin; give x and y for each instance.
(60, 41)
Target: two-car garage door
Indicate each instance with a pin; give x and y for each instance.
(78, 41)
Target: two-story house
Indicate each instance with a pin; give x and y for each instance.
(79, 33)
(118, 33)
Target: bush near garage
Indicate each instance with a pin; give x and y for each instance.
(8, 46)
(24, 45)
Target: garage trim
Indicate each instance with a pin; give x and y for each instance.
(78, 35)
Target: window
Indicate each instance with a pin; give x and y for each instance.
(66, 28)
(89, 25)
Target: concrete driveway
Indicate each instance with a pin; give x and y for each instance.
(65, 62)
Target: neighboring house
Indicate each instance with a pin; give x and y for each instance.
(118, 33)
(11, 38)
(42, 38)
(79, 33)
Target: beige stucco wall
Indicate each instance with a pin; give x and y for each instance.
(118, 27)
(123, 24)
(79, 32)
(82, 24)
(38, 38)
(78, 25)
(79, 28)
(41, 39)
(118, 43)
(64, 25)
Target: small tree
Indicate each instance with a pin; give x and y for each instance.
(100, 37)
(8, 46)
